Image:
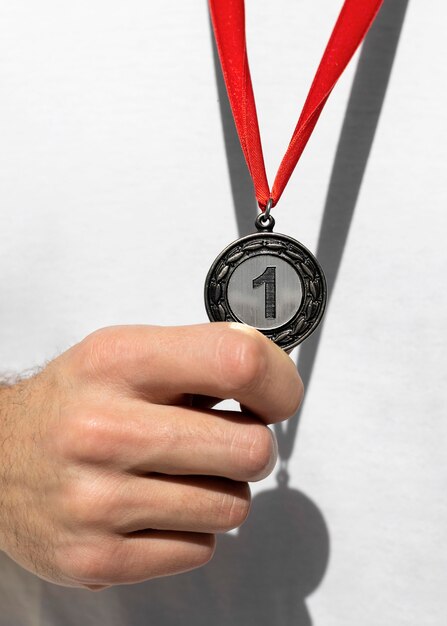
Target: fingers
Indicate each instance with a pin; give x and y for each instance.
(141, 438)
(146, 555)
(165, 553)
(193, 504)
(128, 529)
(218, 360)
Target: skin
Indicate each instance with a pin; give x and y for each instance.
(114, 466)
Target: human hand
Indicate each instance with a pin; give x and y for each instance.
(115, 468)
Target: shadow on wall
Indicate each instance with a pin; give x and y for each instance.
(262, 575)
(259, 577)
(356, 138)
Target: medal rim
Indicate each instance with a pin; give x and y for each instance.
(288, 340)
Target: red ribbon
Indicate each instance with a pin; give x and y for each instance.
(228, 18)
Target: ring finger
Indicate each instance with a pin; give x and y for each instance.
(194, 504)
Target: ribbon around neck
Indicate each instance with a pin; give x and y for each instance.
(228, 20)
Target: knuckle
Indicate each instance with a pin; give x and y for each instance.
(242, 359)
(234, 509)
(296, 399)
(88, 504)
(91, 565)
(204, 551)
(90, 568)
(292, 399)
(101, 351)
(259, 452)
(89, 436)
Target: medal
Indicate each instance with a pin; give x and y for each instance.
(269, 280)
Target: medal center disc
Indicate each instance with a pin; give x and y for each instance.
(264, 291)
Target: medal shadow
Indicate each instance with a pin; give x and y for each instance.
(261, 576)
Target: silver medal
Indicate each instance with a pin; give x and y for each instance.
(269, 281)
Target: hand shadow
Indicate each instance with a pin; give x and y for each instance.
(260, 576)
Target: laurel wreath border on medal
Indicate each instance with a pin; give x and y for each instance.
(314, 297)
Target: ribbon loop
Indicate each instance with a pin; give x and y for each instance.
(228, 19)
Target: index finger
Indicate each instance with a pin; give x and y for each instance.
(224, 360)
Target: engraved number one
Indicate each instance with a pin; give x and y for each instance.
(268, 278)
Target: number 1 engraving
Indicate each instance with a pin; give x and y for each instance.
(268, 278)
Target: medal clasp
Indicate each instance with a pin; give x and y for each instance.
(265, 222)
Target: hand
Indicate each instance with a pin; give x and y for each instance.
(115, 469)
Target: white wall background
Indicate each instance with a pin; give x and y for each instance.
(114, 178)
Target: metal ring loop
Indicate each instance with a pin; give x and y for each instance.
(268, 208)
(264, 223)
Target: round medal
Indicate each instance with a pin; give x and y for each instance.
(269, 281)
